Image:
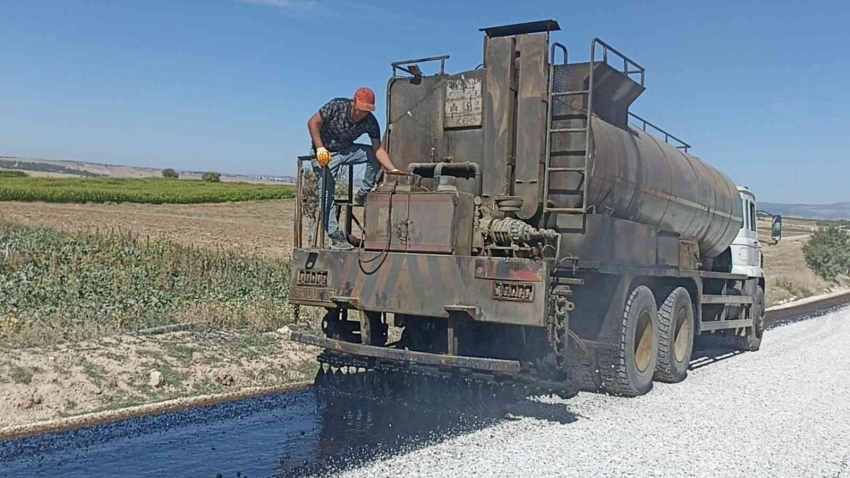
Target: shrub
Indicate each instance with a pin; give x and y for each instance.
(827, 252)
(211, 177)
(12, 173)
(170, 174)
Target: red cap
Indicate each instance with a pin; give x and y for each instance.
(364, 99)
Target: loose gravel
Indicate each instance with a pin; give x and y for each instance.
(783, 411)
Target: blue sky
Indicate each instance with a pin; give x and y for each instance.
(760, 89)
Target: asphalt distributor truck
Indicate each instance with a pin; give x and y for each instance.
(540, 238)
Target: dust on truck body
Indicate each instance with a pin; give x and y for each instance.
(540, 233)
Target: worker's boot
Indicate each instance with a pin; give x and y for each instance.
(339, 242)
(360, 197)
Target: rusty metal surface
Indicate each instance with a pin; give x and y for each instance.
(418, 130)
(688, 255)
(423, 284)
(500, 67)
(433, 222)
(608, 240)
(639, 178)
(531, 121)
(507, 367)
(509, 269)
(386, 218)
(415, 122)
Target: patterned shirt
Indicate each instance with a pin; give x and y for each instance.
(338, 131)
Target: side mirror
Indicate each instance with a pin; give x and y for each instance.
(776, 229)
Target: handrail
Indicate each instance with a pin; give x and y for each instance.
(319, 234)
(626, 60)
(557, 45)
(667, 136)
(401, 65)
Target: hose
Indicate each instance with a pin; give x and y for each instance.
(385, 252)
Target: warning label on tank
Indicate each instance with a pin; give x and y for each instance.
(464, 104)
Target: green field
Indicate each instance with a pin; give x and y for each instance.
(148, 191)
(57, 287)
(12, 173)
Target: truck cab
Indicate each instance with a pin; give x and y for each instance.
(746, 249)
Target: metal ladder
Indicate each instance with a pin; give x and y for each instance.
(586, 130)
(580, 170)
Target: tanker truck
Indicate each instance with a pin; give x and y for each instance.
(540, 234)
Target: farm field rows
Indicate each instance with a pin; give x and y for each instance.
(148, 190)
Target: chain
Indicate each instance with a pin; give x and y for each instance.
(558, 330)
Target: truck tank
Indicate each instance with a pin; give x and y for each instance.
(636, 177)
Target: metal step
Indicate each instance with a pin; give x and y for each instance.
(567, 170)
(568, 130)
(567, 210)
(727, 299)
(724, 324)
(570, 93)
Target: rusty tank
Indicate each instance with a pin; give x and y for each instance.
(636, 177)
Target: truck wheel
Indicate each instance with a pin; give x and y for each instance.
(627, 368)
(751, 340)
(675, 337)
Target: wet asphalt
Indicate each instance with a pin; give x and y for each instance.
(314, 432)
(306, 433)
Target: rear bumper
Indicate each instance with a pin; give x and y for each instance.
(506, 291)
(501, 367)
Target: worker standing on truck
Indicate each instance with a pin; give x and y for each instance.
(333, 129)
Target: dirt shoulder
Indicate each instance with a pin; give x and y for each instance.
(114, 373)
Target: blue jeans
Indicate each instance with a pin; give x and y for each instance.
(350, 156)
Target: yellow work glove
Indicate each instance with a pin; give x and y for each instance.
(323, 156)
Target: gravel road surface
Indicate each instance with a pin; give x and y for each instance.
(783, 411)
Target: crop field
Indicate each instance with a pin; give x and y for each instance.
(59, 287)
(12, 173)
(148, 191)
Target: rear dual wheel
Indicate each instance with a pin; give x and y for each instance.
(627, 369)
(675, 336)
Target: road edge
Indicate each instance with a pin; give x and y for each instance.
(13, 432)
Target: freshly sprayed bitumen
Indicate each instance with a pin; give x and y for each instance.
(312, 432)
(319, 433)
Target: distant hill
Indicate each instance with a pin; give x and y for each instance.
(58, 168)
(840, 210)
